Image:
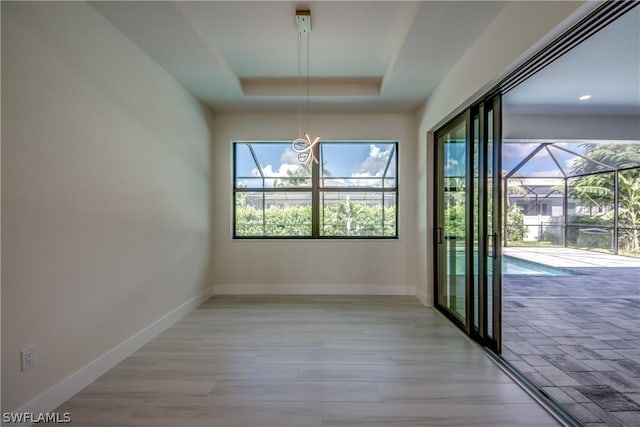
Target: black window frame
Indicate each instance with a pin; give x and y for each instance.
(316, 190)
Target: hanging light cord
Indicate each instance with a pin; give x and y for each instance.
(308, 72)
(299, 85)
(305, 147)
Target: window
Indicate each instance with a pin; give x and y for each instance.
(544, 209)
(351, 193)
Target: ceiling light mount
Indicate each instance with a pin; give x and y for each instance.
(584, 97)
(303, 21)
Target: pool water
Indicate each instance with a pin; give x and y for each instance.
(517, 266)
(511, 265)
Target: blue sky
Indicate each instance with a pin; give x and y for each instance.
(540, 165)
(347, 160)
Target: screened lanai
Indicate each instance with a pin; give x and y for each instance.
(582, 194)
(573, 330)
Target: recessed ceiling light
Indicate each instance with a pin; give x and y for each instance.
(584, 97)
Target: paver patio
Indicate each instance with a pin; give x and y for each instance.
(577, 337)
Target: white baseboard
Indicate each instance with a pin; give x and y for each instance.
(265, 289)
(50, 399)
(421, 296)
(425, 299)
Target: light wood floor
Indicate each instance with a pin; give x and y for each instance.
(307, 361)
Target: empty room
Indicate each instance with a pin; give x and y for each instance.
(275, 213)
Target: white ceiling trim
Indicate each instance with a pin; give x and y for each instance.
(404, 27)
(213, 49)
(317, 87)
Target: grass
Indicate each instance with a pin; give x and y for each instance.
(547, 244)
(629, 254)
(535, 243)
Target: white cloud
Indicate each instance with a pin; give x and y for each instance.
(452, 166)
(269, 172)
(372, 166)
(361, 181)
(289, 156)
(282, 170)
(364, 174)
(546, 173)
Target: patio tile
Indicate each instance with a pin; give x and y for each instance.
(605, 416)
(630, 354)
(527, 329)
(589, 378)
(629, 418)
(535, 360)
(557, 377)
(523, 366)
(550, 349)
(509, 355)
(599, 365)
(587, 327)
(539, 380)
(522, 348)
(609, 354)
(575, 394)
(627, 366)
(634, 396)
(622, 344)
(606, 337)
(594, 344)
(559, 395)
(608, 398)
(621, 382)
(580, 353)
(566, 363)
(582, 413)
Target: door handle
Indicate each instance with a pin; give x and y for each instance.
(492, 240)
(438, 235)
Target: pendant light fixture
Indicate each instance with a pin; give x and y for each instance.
(303, 144)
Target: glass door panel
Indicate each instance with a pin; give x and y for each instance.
(493, 253)
(477, 213)
(491, 241)
(495, 218)
(452, 145)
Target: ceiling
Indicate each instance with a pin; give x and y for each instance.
(364, 56)
(605, 66)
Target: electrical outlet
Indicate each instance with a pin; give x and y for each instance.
(28, 356)
(372, 268)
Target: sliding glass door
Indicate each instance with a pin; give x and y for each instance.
(452, 227)
(467, 222)
(489, 218)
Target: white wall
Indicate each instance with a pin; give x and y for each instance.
(562, 126)
(517, 32)
(105, 192)
(314, 266)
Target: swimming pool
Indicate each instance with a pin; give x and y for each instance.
(517, 266)
(512, 265)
